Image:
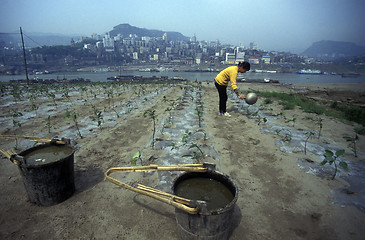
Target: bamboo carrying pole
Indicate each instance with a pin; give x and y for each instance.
(13, 156)
(36, 139)
(187, 205)
(8, 153)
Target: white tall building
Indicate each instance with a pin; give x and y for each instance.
(135, 55)
(108, 43)
(240, 55)
(230, 58)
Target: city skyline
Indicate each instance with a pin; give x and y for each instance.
(273, 25)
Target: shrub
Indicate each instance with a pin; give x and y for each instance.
(268, 101)
(360, 130)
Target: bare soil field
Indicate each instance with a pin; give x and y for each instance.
(283, 192)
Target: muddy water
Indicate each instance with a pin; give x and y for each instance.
(213, 192)
(47, 155)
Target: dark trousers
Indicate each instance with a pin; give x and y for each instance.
(222, 91)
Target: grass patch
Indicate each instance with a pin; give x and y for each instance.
(350, 112)
(341, 111)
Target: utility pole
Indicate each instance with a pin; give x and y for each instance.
(25, 60)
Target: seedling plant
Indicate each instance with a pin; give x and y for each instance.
(292, 120)
(352, 142)
(195, 154)
(136, 156)
(332, 158)
(98, 116)
(16, 122)
(308, 134)
(73, 115)
(151, 114)
(261, 120)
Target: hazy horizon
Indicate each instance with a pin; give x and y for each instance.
(284, 25)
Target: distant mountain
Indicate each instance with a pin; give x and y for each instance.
(331, 50)
(49, 39)
(125, 30)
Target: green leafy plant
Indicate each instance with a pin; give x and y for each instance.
(73, 115)
(17, 93)
(152, 115)
(65, 94)
(292, 120)
(352, 143)
(199, 112)
(288, 137)
(287, 105)
(53, 97)
(332, 158)
(261, 120)
(268, 101)
(135, 157)
(116, 112)
(98, 116)
(277, 131)
(186, 136)
(34, 105)
(16, 122)
(309, 134)
(198, 153)
(360, 130)
(173, 146)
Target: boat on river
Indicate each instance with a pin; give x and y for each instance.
(309, 71)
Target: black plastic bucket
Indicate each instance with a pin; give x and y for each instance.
(48, 183)
(213, 224)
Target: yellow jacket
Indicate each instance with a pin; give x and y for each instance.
(228, 75)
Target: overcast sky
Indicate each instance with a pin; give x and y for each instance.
(289, 25)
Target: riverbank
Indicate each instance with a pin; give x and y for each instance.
(283, 192)
(282, 78)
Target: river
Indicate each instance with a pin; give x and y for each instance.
(285, 78)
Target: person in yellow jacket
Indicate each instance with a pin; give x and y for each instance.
(221, 82)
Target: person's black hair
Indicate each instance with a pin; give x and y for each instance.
(245, 65)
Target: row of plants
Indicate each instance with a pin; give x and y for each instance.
(291, 101)
(101, 98)
(174, 107)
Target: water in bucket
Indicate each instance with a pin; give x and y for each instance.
(214, 193)
(47, 155)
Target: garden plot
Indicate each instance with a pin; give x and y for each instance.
(180, 135)
(276, 199)
(293, 138)
(102, 101)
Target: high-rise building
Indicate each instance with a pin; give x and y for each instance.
(230, 58)
(108, 42)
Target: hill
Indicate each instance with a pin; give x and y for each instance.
(126, 29)
(330, 50)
